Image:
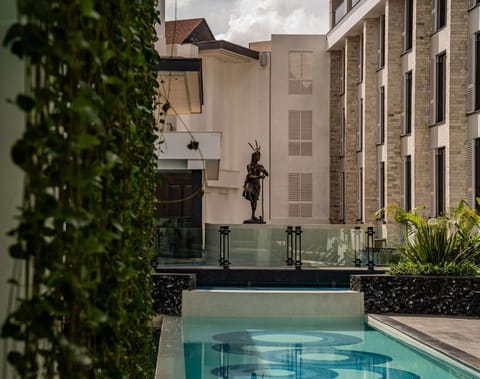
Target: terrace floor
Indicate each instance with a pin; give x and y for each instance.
(457, 337)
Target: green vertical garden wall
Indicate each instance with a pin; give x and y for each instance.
(84, 235)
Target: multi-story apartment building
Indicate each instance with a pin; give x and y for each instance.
(404, 107)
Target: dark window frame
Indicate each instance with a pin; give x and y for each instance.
(408, 102)
(440, 181)
(440, 90)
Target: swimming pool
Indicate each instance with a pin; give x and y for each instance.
(231, 348)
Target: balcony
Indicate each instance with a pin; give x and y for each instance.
(347, 17)
(190, 151)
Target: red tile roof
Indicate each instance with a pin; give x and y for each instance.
(191, 30)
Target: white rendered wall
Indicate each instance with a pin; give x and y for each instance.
(318, 102)
(273, 304)
(11, 127)
(235, 104)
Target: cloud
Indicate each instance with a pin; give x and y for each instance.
(254, 20)
(244, 21)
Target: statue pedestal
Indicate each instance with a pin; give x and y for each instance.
(254, 221)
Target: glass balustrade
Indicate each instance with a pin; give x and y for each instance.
(268, 246)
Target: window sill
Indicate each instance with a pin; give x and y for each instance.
(405, 52)
(438, 124)
(471, 113)
(380, 143)
(380, 68)
(405, 135)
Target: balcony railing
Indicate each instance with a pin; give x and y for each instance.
(267, 246)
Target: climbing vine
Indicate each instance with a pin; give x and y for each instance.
(85, 227)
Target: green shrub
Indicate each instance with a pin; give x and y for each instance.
(438, 246)
(410, 268)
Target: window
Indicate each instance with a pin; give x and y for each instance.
(342, 133)
(381, 116)
(360, 195)
(473, 63)
(440, 181)
(440, 96)
(339, 12)
(407, 101)
(477, 173)
(381, 188)
(407, 182)
(342, 196)
(300, 72)
(342, 73)
(360, 125)
(300, 195)
(477, 71)
(439, 14)
(360, 60)
(354, 2)
(408, 26)
(300, 133)
(381, 42)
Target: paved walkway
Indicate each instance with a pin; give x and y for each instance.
(458, 337)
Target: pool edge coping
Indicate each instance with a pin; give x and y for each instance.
(424, 342)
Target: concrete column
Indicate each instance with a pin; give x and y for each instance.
(336, 88)
(370, 107)
(352, 45)
(456, 102)
(393, 45)
(421, 164)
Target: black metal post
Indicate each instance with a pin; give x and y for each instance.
(370, 249)
(224, 361)
(224, 246)
(357, 261)
(298, 247)
(289, 232)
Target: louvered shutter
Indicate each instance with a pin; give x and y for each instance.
(402, 104)
(471, 73)
(293, 195)
(403, 181)
(432, 91)
(342, 196)
(433, 165)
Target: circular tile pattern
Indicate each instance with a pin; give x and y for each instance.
(310, 354)
(269, 338)
(272, 371)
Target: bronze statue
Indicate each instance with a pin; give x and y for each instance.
(252, 185)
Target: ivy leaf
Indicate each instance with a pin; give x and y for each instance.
(87, 9)
(17, 251)
(25, 103)
(21, 152)
(87, 141)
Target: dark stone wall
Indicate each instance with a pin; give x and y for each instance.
(419, 294)
(167, 292)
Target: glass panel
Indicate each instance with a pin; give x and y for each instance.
(306, 87)
(295, 65)
(265, 245)
(294, 149)
(294, 125)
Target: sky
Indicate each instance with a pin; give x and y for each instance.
(244, 21)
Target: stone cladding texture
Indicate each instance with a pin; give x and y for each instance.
(167, 292)
(458, 296)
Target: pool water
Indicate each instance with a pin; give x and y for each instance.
(303, 349)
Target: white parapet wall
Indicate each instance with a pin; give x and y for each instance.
(272, 303)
